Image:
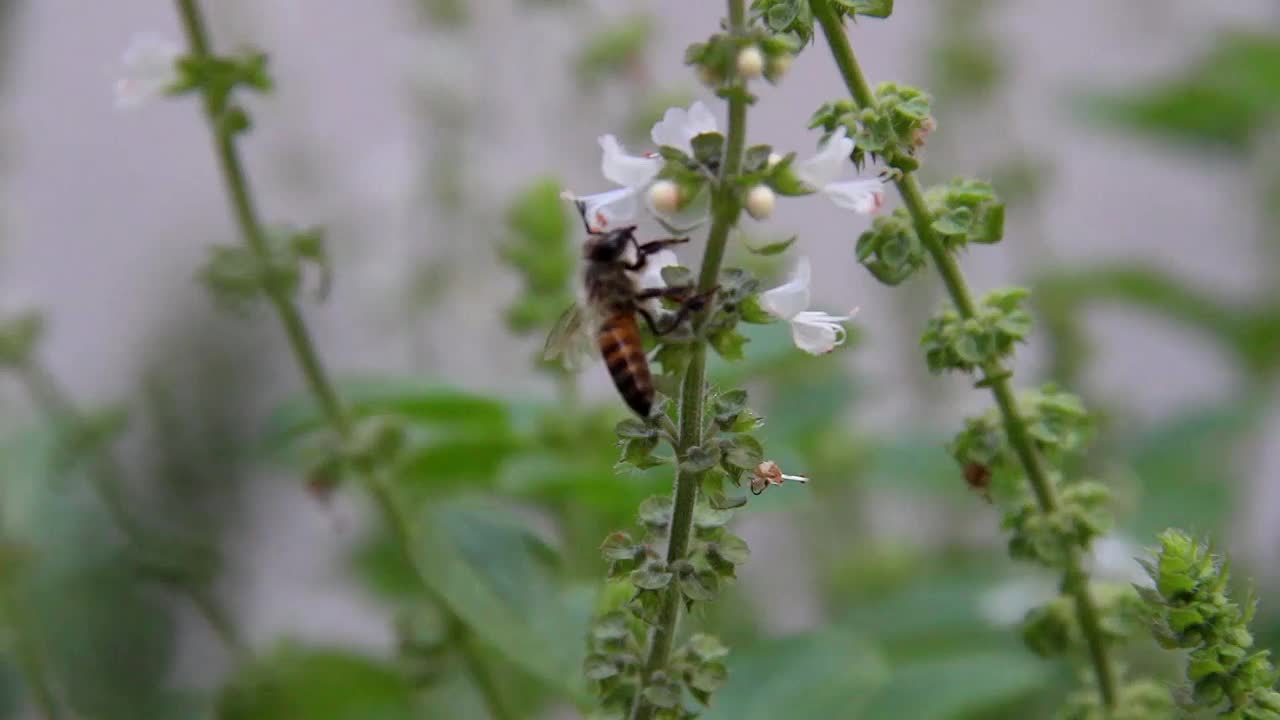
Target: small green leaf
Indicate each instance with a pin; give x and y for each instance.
(732, 549)
(775, 248)
(633, 428)
(728, 344)
(656, 511)
(664, 695)
(700, 459)
(743, 452)
(709, 677)
(618, 546)
(651, 577)
(707, 148)
(599, 667)
(700, 586)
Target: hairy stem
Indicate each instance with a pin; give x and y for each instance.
(994, 374)
(301, 343)
(107, 478)
(725, 209)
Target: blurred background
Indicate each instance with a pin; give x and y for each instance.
(152, 464)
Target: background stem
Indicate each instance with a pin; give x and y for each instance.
(304, 351)
(994, 374)
(725, 210)
(107, 478)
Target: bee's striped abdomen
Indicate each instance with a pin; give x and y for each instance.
(623, 352)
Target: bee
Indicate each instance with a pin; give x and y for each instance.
(611, 300)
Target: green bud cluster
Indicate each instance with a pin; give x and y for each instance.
(238, 275)
(1140, 699)
(952, 342)
(19, 335)
(894, 129)
(795, 18)
(966, 211)
(217, 78)
(1056, 421)
(1191, 608)
(1052, 629)
(716, 59)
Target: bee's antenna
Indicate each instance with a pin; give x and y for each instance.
(582, 210)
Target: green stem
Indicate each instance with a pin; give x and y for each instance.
(107, 478)
(29, 658)
(726, 209)
(301, 343)
(994, 374)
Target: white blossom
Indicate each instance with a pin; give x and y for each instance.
(148, 68)
(635, 174)
(678, 127)
(823, 170)
(816, 333)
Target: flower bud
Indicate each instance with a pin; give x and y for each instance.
(760, 201)
(921, 133)
(774, 159)
(750, 62)
(778, 66)
(709, 76)
(664, 197)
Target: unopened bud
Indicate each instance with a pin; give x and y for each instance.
(664, 197)
(760, 202)
(774, 159)
(921, 134)
(750, 62)
(778, 66)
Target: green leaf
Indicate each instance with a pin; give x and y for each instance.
(650, 577)
(732, 549)
(707, 147)
(815, 676)
(775, 248)
(478, 564)
(709, 677)
(743, 452)
(599, 667)
(1224, 99)
(317, 684)
(634, 428)
(728, 344)
(700, 459)
(701, 586)
(871, 8)
(971, 683)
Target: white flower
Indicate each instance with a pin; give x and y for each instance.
(634, 174)
(750, 62)
(147, 70)
(864, 196)
(651, 276)
(816, 333)
(778, 66)
(760, 202)
(678, 127)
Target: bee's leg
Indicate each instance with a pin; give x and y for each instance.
(644, 250)
(688, 304)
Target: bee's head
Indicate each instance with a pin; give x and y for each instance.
(609, 246)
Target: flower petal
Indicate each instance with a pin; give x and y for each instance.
(684, 219)
(629, 171)
(147, 69)
(792, 297)
(678, 127)
(864, 197)
(817, 333)
(651, 276)
(700, 120)
(823, 168)
(610, 208)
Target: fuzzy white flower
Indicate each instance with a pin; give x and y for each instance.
(636, 173)
(678, 127)
(148, 69)
(823, 170)
(816, 333)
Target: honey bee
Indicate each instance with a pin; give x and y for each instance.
(612, 298)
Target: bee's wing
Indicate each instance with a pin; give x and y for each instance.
(571, 340)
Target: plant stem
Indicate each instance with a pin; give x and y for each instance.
(726, 209)
(28, 656)
(994, 374)
(108, 482)
(301, 343)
